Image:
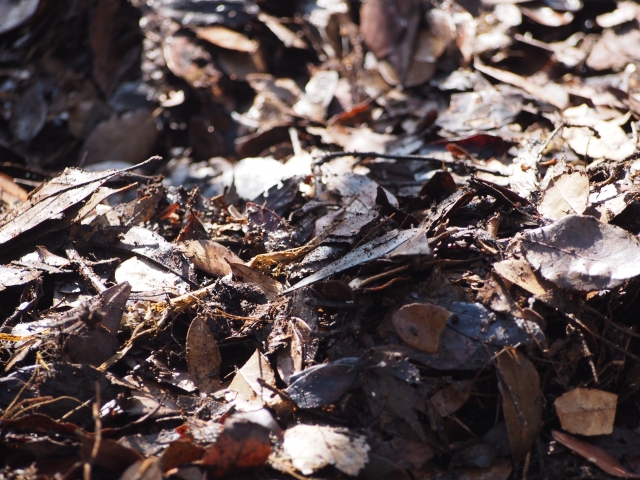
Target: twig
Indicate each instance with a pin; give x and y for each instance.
(86, 271)
(98, 436)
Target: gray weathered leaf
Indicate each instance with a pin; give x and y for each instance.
(581, 254)
(378, 248)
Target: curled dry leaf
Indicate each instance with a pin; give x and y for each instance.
(519, 385)
(598, 456)
(587, 411)
(567, 194)
(57, 201)
(211, 257)
(203, 356)
(581, 254)
(246, 390)
(313, 447)
(420, 325)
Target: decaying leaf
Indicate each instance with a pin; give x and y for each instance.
(203, 356)
(420, 325)
(521, 401)
(581, 254)
(53, 201)
(314, 447)
(587, 411)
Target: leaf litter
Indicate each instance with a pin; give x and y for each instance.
(299, 239)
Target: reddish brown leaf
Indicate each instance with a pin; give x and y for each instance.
(420, 325)
(241, 445)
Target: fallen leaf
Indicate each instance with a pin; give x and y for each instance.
(146, 276)
(554, 96)
(246, 391)
(211, 257)
(567, 194)
(520, 272)
(29, 113)
(226, 38)
(128, 138)
(519, 386)
(420, 325)
(321, 385)
(581, 254)
(241, 445)
(312, 447)
(51, 201)
(603, 460)
(180, 452)
(271, 288)
(147, 469)
(203, 356)
(587, 411)
(373, 250)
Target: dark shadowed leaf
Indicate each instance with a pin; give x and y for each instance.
(519, 385)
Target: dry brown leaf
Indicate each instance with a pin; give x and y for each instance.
(552, 93)
(211, 257)
(587, 411)
(420, 325)
(270, 287)
(203, 356)
(520, 273)
(519, 385)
